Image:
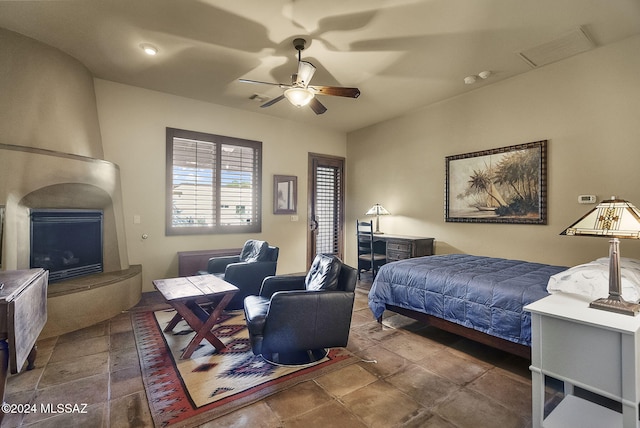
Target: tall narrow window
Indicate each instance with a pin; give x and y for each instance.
(326, 206)
(213, 184)
(327, 209)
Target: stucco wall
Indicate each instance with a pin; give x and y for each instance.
(47, 101)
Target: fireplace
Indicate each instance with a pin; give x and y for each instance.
(68, 243)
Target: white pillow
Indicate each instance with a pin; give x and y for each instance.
(625, 262)
(592, 279)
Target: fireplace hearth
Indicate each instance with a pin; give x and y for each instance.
(67, 243)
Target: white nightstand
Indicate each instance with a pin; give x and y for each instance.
(589, 348)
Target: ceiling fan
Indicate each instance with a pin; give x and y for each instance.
(299, 92)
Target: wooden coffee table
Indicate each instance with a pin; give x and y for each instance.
(188, 295)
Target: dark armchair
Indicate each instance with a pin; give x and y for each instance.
(295, 318)
(256, 261)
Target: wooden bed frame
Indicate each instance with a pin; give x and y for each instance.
(478, 336)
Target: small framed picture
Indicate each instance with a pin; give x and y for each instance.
(285, 194)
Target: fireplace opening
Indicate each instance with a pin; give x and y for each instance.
(67, 243)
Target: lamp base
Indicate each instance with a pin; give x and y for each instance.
(616, 304)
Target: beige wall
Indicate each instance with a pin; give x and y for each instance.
(133, 123)
(587, 107)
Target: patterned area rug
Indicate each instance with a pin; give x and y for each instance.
(211, 383)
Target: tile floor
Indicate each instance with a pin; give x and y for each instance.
(409, 376)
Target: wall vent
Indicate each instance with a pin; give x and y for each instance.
(565, 46)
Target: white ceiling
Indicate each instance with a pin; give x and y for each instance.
(401, 54)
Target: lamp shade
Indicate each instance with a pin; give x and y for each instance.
(377, 209)
(298, 96)
(612, 218)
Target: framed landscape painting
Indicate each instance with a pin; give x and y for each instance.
(503, 185)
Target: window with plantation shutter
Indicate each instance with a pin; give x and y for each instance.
(327, 208)
(213, 184)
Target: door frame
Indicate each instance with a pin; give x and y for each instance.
(315, 160)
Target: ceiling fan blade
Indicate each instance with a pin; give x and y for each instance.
(256, 82)
(317, 106)
(272, 102)
(337, 91)
(305, 73)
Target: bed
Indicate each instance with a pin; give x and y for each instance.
(480, 298)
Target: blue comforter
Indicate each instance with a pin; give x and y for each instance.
(483, 293)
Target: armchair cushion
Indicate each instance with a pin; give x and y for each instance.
(256, 309)
(254, 251)
(323, 274)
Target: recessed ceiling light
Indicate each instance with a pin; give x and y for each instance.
(149, 49)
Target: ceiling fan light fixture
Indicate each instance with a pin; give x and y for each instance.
(299, 93)
(299, 97)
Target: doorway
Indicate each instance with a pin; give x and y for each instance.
(325, 234)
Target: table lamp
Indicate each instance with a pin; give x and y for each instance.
(613, 218)
(377, 210)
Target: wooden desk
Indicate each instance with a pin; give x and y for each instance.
(23, 314)
(399, 247)
(186, 294)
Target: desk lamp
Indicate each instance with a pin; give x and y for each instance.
(614, 219)
(377, 210)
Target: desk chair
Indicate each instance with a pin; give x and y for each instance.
(368, 259)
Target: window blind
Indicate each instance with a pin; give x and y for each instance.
(213, 183)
